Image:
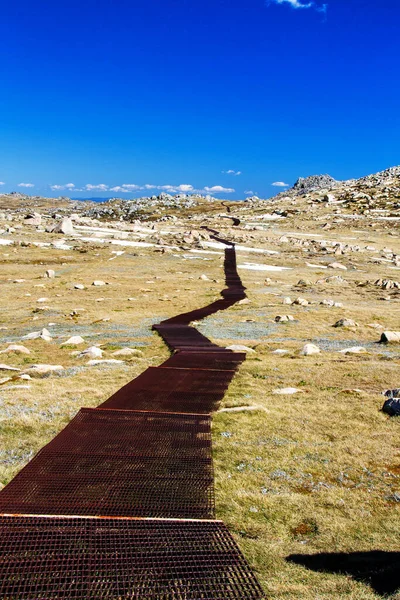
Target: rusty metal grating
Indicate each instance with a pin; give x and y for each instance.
(182, 380)
(188, 390)
(95, 484)
(101, 431)
(211, 360)
(185, 402)
(114, 559)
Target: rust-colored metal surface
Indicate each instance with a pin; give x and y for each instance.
(114, 559)
(136, 476)
(175, 389)
(135, 434)
(108, 462)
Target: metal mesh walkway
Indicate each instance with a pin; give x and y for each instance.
(120, 504)
(61, 558)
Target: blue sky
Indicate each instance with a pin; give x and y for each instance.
(210, 95)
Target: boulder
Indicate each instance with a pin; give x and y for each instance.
(43, 370)
(64, 226)
(33, 219)
(44, 334)
(283, 318)
(392, 407)
(92, 352)
(390, 337)
(16, 348)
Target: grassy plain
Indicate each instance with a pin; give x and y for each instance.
(313, 472)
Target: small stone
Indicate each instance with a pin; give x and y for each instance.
(310, 349)
(98, 282)
(287, 300)
(286, 391)
(75, 340)
(79, 286)
(345, 323)
(50, 274)
(354, 350)
(336, 265)
(204, 278)
(300, 302)
(240, 348)
(109, 361)
(77, 311)
(7, 368)
(304, 283)
(127, 352)
(41, 300)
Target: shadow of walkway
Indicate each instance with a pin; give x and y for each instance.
(379, 569)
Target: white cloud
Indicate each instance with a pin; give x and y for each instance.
(232, 172)
(184, 188)
(118, 188)
(131, 187)
(66, 186)
(26, 185)
(2, 183)
(300, 4)
(101, 187)
(218, 189)
(280, 184)
(249, 192)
